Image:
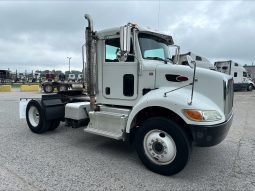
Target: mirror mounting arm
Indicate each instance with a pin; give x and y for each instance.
(193, 83)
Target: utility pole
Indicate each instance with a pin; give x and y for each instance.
(69, 58)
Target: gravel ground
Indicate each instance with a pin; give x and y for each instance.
(69, 159)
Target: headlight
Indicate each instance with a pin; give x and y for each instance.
(202, 115)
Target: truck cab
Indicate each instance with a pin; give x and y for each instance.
(201, 61)
(238, 72)
(71, 77)
(134, 91)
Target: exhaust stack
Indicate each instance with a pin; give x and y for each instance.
(90, 59)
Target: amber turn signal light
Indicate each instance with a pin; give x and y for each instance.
(193, 115)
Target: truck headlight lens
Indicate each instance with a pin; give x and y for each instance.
(202, 115)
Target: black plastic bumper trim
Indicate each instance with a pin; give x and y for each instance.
(210, 135)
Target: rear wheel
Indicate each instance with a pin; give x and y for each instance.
(62, 87)
(48, 88)
(54, 124)
(35, 117)
(162, 146)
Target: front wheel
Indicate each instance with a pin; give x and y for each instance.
(250, 87)
(162, 146)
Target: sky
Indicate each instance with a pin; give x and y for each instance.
(40, 35)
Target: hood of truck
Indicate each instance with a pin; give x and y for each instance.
(208, 83)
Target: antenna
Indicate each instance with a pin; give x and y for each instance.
(158, 12)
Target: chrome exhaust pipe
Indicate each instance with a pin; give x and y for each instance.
(90, 60)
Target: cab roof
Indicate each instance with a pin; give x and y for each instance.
(116, 30)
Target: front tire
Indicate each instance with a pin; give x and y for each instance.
(35, 117)
(250, 87)
(162, 146)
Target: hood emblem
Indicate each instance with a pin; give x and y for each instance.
(176, 78)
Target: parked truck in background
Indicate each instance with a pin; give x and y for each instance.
(135, 92)
(71, 78)
(201, 61)
(238, 72)
(61, 83)
(80, 78)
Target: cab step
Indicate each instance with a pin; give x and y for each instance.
(108, 122)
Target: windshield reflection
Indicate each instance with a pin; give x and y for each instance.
(153, 47)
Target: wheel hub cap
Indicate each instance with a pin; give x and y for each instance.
(159, 147)
(48, 88)
(33, 116)
(62, 88)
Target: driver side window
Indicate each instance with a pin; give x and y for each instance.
(111, 48)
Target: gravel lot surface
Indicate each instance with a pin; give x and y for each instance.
(69, 159)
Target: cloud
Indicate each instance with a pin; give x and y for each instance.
(41, 34)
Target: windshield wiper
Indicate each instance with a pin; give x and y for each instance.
(157, 58)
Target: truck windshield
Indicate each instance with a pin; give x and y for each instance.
(153, 47)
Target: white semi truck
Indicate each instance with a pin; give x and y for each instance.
(238, 72)
(136, 93)
(201, 61)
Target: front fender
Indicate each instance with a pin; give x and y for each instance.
(174, 101)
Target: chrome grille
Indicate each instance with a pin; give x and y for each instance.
(228, 96)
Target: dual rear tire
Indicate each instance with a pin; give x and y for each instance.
(35, 118)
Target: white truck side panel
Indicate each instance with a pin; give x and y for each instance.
(175, 101)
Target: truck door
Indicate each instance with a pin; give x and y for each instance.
(119, 78)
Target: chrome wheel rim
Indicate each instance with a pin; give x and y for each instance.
(33, 116)
(159, 147)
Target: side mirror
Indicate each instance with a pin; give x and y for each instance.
(125, 38)
(177, 53)
(191, 61)
(174, 51)
(121, 55)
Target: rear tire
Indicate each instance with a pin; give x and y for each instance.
(162, 146)
(48, 88)
(35, 117)
(54, 124)
(62, 87)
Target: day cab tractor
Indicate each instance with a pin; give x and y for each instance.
(136, 92)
